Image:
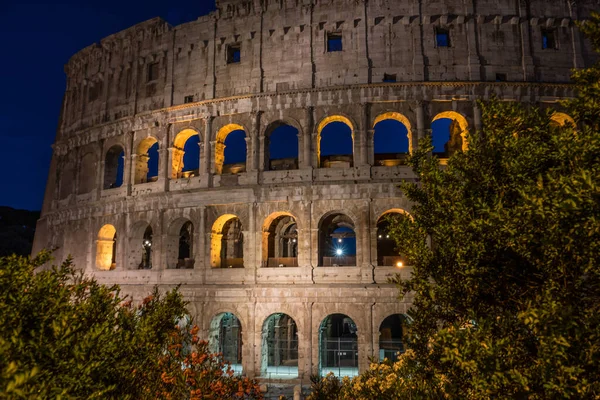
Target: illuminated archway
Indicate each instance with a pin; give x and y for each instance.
(280, 241)
(140, 246)
(451, 136)
(279, 350)
(338, 346)
(114, 167)
(561, 119)
(335, 159)
(106, 248)
(337, 241)
(387, 256)
(391, 144)
(225, 337)
(185, 154)
(391, 332)
(227, 243)
(222, 135)
(146, 162)
(281, 146)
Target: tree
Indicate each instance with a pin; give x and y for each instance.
(505, 244)
(63, 335)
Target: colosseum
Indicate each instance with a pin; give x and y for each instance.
(252, 155)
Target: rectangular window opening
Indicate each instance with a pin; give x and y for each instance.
(188, 99)
(500, 77)
(152, 72)
(234, 53)
(549, 39)
(334, 42)
(389, 78)
(442, 37)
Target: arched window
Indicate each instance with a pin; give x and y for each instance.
(337, 241)
(338, 346)
(561, 119)
(280, 241)
(186, 154)
(282, 147)
(335, 145)
(227, 243)
(230, 150)
(146, 163)
(113, 167)
(392, 139)
(225, 337)
(87, 174)
(180, 241)
(448, 131)
(279, 351)
(140, 246)
(66, 180)
(387, 256)
(390, 337)
(106, 248)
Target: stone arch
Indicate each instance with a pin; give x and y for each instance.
(140, 245)
(280, 240)
(337, 240)
(386, 246)
(227, 242)
(338, 346)
(143, 160)
(66, 180)
(459, 128)
(106, 248)
(391, 336)
(87, 173)
(561, 119)
(395, 159)
(274, 129)
(179, 144)
(180, 244)
(220, 144)
(279, 347)
(225, 337)
(114, 163)
(323, 124)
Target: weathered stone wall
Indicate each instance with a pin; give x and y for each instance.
(285, 75)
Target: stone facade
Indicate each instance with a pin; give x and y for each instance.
(254, 65)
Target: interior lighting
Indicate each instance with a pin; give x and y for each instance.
(399, 264)
(340, 240)
(339, 252)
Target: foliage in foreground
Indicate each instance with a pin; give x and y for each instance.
(64, 335)
(505, 244)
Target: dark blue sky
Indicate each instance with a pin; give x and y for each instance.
(37, 39)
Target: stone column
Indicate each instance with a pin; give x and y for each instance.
(474, 61)
(249, 155)
(420, 112)
(165, 163)
(526, 56)
(306, 159)
(208, 162)
(133, 169)
(262, 160)
(371, 147)
(199, 250)
(361, 147)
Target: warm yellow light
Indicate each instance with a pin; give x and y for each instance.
(399, 264)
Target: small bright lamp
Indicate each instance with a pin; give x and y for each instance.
(339, 252)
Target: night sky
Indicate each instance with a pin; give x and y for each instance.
(37, 40)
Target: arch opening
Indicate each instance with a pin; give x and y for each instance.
(561, 119)
(87, 174)
(180, 245)
(337, 241)
(387, 256)
(140, 246)
(106, 248)
(449, 131)
(279, 351)
(146, 161)
(392, 140)
(225, 337)
(335, 143)
(186, 154)
(391, 333)
(114, 164)
(67, 178)
(227, 243)
(338, 346)
(280, 241)
(230, 150)
(282, 147)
